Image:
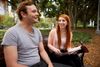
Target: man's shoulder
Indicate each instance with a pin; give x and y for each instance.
(11, 29)
(36, 29)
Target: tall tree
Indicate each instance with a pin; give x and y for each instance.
(82, 10)
(98, 18)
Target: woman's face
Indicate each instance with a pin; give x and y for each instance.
(62, 22)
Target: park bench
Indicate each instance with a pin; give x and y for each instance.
(2, 61)
(81, 55)
(45, 39)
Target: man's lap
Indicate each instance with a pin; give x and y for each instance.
(43, 64)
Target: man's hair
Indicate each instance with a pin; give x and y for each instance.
(22, 8)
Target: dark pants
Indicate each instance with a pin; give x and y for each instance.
(43, 64)
(71, 60)
(40, 64)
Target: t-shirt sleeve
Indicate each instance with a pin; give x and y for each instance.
(9, 39)
(40, 36)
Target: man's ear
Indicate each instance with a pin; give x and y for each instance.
(23, 14)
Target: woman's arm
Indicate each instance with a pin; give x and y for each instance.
(50, 42)
(71, 37)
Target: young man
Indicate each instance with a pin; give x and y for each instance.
(22, 43)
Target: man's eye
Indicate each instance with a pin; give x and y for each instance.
(34, 11)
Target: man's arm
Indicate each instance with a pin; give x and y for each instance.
(44, 55)
(11, 56)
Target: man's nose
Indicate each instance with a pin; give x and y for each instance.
(37, 13)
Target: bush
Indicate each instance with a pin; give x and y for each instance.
(45, 32)
(77, 36)
(1, 34)
(81, 36)
(44, 23)
(6, 21)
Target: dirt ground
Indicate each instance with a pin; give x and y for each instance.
(92, 59)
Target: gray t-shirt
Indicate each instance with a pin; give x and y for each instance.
(27, 44)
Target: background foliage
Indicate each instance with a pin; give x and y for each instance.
(6, 21)
(78, 10)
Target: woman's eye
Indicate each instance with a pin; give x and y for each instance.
(61, 20)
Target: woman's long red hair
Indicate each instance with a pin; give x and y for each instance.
(68, 31)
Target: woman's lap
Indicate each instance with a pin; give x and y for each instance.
(72, 60)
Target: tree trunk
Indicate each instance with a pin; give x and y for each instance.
(98, 19)
(84, 22)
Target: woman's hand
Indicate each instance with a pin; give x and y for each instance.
(57, 51)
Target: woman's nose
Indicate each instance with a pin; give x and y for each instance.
(61, 21)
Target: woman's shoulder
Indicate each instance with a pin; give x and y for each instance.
(53, 30)
(71, 33)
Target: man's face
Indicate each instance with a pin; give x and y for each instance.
(32, 14)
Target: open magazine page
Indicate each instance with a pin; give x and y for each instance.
(70, 51)
(74, 49)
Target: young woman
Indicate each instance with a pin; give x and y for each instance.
(59, 41)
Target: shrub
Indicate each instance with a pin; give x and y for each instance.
(6, 21)
(1, 34)
(81, 36)
(77, 36)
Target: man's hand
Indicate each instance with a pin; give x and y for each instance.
(50, 65)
